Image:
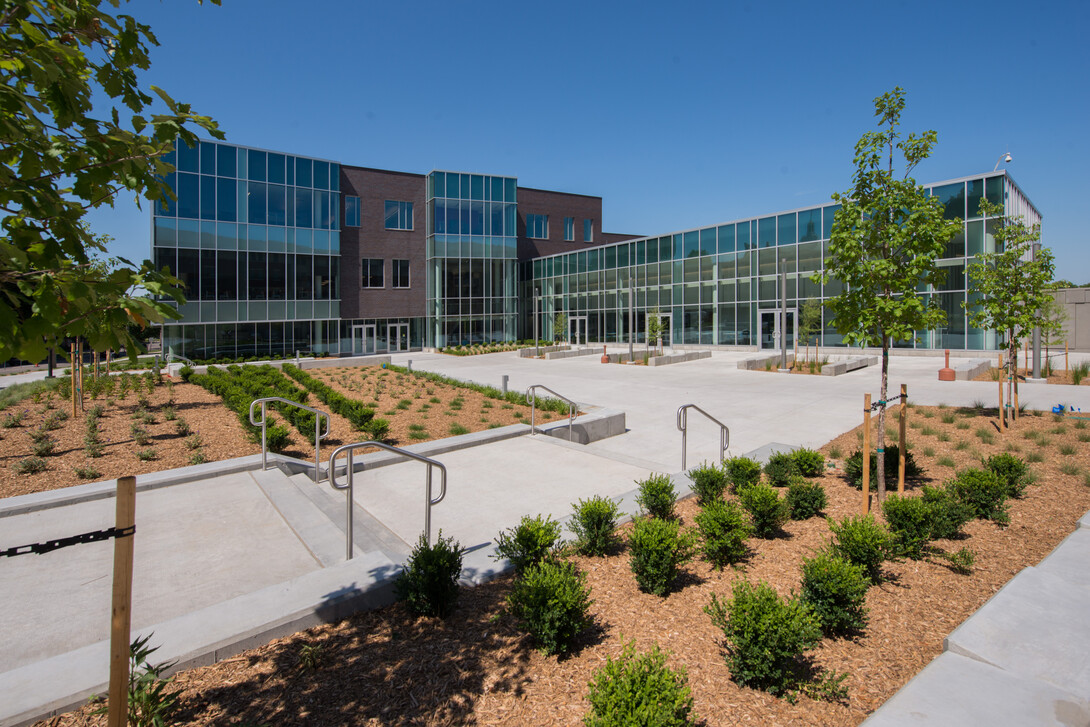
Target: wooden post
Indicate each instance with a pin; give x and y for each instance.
(72, 372)
(108, 356)
(94, 365)
(866, 453)
(1066, 370)
(901, 453)
(121, 611)
(1014, 409)
(1002, 420)
(1027, 359)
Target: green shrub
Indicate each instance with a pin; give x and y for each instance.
(853, 467)
(709, 482)
(639, 689)
(529, 543)
(1011, 471)
(766, 509)
(860, 540)
(983, 493)
(723, 528)
(910, 522)
(429, 584)
(742, 472)
(594, 522)
(657, 496)
(147, 455)
(836, 592)
(550, 601)
(658, 549)
(30, 466)
(186, 372)
(805, 499)
(277, 437)
(781, 468)
(42, 443)
(810, 462)
(765, 635)
(948, 513)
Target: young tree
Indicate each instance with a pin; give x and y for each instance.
(1053, 327)
(57, 161)
(655, 328)
(560, 327)
(1013, 283)
(809, 323)
(886, 238)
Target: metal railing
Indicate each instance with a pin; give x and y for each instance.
(428, 501)
(318, 434)
(682, 425)
(531, 399)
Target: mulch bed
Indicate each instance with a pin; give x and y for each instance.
(388, 668)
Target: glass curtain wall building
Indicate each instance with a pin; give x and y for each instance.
(255, 238)
(721, 285)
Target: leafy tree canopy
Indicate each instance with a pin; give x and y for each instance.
(58, 160)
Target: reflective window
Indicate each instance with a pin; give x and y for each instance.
(810, 225)
(726, 238)
(707, 241)
(399, 215)
(225, 161)
(226, 198)
(786, 229)
(188, 159)
(351, 211)
(588, 230)
(371, 269)
(537, 227)
(189, 196)
(952, 199)
(976, 193)
(690, 245)
(569, 229)
(256, 165)
(994, 190)
(401, 273)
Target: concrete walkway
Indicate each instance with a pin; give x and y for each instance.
(229, 557)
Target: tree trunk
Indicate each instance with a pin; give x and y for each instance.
(881, 439)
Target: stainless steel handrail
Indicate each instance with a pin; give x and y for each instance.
(318, 434)
(171, 356)
(349, 448)
(531, 399)
(682, 425)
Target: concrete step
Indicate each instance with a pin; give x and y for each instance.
(309, 522)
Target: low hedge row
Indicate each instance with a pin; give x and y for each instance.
(238, 386)
(513, 397)
(361, 416)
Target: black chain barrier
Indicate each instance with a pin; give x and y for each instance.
(51, 545)
(878, 404)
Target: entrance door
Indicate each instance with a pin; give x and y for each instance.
(397, 336)
(577, 330)
(770, 330)
(667, 330)
(363, 340)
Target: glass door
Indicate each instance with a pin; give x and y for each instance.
(577, 330)
(770, 330)
(398, 337)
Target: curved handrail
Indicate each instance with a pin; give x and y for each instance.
(171, 355)
(682, 425)
(349, 448)
(531, 399)
(318, 434)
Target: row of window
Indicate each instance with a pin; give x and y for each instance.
(372, 273)
(227, 200)
(398, 215)
(224, 160)
(537, 228)
(209, 275)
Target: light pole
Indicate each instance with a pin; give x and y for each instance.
(1002, 158)
(537, 341)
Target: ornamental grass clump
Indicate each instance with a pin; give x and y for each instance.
(550, 601)
(1011, 471)
(780, 469)
(742, 472)
(533, 540)
(723, 528)
(861, 540)
(658, 549)
(836, 592)
(805, 499)
(639, 689)
(765, 635)
(767, 510)
(709, 482)
(594, 523)
(657, 496)
(429, 584)
(810, 462)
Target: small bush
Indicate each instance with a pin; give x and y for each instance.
(529, 543)
(766, 509)
(742, 472)
(948, 513)
(87, 473)
(657, 496)
(429, 584)
(30, 466)
(194, 441)
(639, 689)
(550, 601)
(723, 529)
(781, 468)
(1011, 472)
(805, 499)
(765, 635)
(658, 548)
(836, 592)
(853, 467)
(594, 522)
(12, 419)
(909, 520)
(147, 455)
(43, 444)
(811, 463)
(709, 482)
(862, 541)
(197, 458)
(185, 372)
(983, 493)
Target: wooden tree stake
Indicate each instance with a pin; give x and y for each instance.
(901, 453)
(1014, 409)
(1066, 370)
(866, 453)
(1002, 420)
(121, 612)
(72, 371)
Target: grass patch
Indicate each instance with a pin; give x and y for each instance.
(1070, 469)
(457, 430)
(945, 462)
(1067, 450)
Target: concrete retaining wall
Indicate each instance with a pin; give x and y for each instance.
(533, 351)
(571, 353)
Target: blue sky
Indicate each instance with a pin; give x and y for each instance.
(677, 115)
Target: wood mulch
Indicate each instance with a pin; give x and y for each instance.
(1058, 376)
(388, 668)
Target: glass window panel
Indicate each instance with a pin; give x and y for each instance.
(277, 276)
(809, 256)
(256, 282)
(189, 270)
(766, 232)
(810, 225)
(304, 172)
(496, 210)
(726, 266)
(277, 239)
(351, 211)
(208, 197)
(189, 196)
(276, 169)
(691, 270)
(256, 165)
(952, 199)
(744, 239)
(666, 248)
(707, 241)
(976, 193)
(588, 230)
(188, 158)
(165, 205)
(509, 190)
(257, 203)
(277, 205)
(726, 238)
(477, 187)
(323, 202)
(208, 157)
(956, 246)
(208, 235)
(304, 208)
(995, 191)
(321, 175)
(226, 275)
(974, 238)
(691, 244)
(166, 234)
(166, 257)
(438, 181)
(476, 217)
(189, 233)
(256, 237)
(304, 277)
(786, 229)
(226, 198)
(226, 236)
(827, 217)
(289, 176)
(653, 250)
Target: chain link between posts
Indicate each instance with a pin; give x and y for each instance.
(51, 545)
